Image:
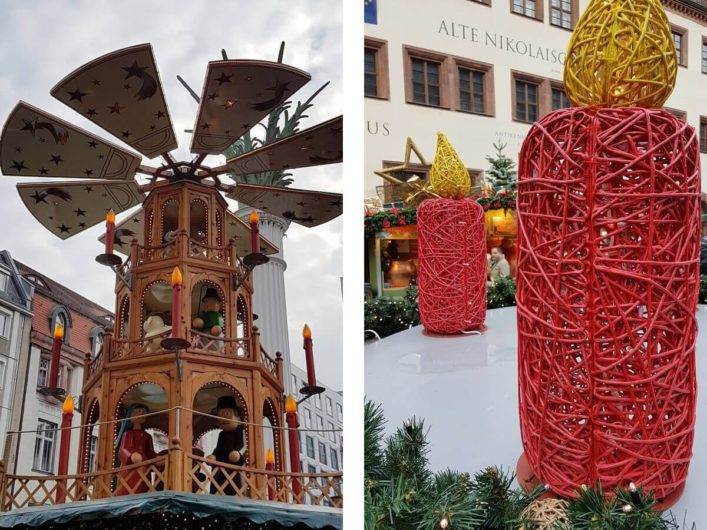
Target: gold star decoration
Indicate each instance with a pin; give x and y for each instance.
(415, 187)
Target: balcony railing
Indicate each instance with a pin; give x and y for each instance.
(183, 246)
(202, 476)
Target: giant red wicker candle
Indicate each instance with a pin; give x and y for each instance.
(254, 232)
(309, 356)
(608, 269)
(451, 249)
(110, 231)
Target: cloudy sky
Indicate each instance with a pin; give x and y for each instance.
(45, 40)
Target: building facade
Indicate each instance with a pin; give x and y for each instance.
(35, 451)
(15, 326)
(321, 450)
(482, 71)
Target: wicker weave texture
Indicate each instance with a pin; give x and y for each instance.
(608, 273)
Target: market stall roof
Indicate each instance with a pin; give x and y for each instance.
(228, 509)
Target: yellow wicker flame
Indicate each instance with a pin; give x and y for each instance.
(621, 54)
(448, 176)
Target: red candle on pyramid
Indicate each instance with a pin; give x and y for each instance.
(608, 265)
(65, 445)
(254, 232)
(176, 303)
(270, 466)
(293, 437)
(110, 231)
(309, 354)
(56, 355)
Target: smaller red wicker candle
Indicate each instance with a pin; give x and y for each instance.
(293, 436)
(270, 466)
(254, 232)
(56, 355)
(311, 376)
(176, 303)
(110, 231)
(65, 446)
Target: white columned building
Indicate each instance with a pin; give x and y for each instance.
(269, 292)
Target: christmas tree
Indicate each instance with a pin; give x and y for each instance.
(402, 493)
(501, 174)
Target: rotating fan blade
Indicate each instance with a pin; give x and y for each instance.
(133, 227)
(318, 145)
(308, 208)
(35, 143)
(236, 96)
(121, 92)
(67, 208)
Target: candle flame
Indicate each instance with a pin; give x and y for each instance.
(176, 276)
(621, 54)
(290, 404)
(448, 176)
(254, 218)
(306, 332)
(269, 456)
(58, 331)
(68, 406)
(110, 216)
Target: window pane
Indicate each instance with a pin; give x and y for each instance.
(479, 103)
(518, 6)
(434, 96)
(418, 93)
(369, 87)
(464, 76)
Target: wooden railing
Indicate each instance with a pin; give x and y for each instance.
(125, 349)
(182, 246)
(203, 475)
(216, 478)
(17, 491)
(238, 348)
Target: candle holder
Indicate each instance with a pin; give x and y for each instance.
(309, 391)
(174, 343)
(50, 391)
(109, 260)
(254, 259)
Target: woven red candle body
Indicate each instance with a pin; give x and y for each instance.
(608, 274)
(452, 265)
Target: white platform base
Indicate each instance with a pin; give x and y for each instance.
(466, 390)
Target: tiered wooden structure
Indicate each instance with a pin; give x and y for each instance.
(184, 222)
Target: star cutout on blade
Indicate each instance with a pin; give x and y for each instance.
(39, 197)
(115, 109)
(56, 159)
(91, 112)
(96, 82)
(88, 172)
(246, 126)
(43, 171)
(92, 143)
(126, 134)
(206, 126)
(134, 70)
(300, 203)
(88, 189)
(77, 95)
(80, 213)
(212, 97)
(64, 228)
(223, 79)
(227, 131)
(82, 225)
(19, 166)
(153, 127)
(18, 150)
(336, 202)
(413, 185)
(280, 88)
(126, 86)
(159, 114)
(136, 220)
(100, 157)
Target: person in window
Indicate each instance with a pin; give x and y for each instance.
(230, 448)
(498, 266)
(134, 446)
